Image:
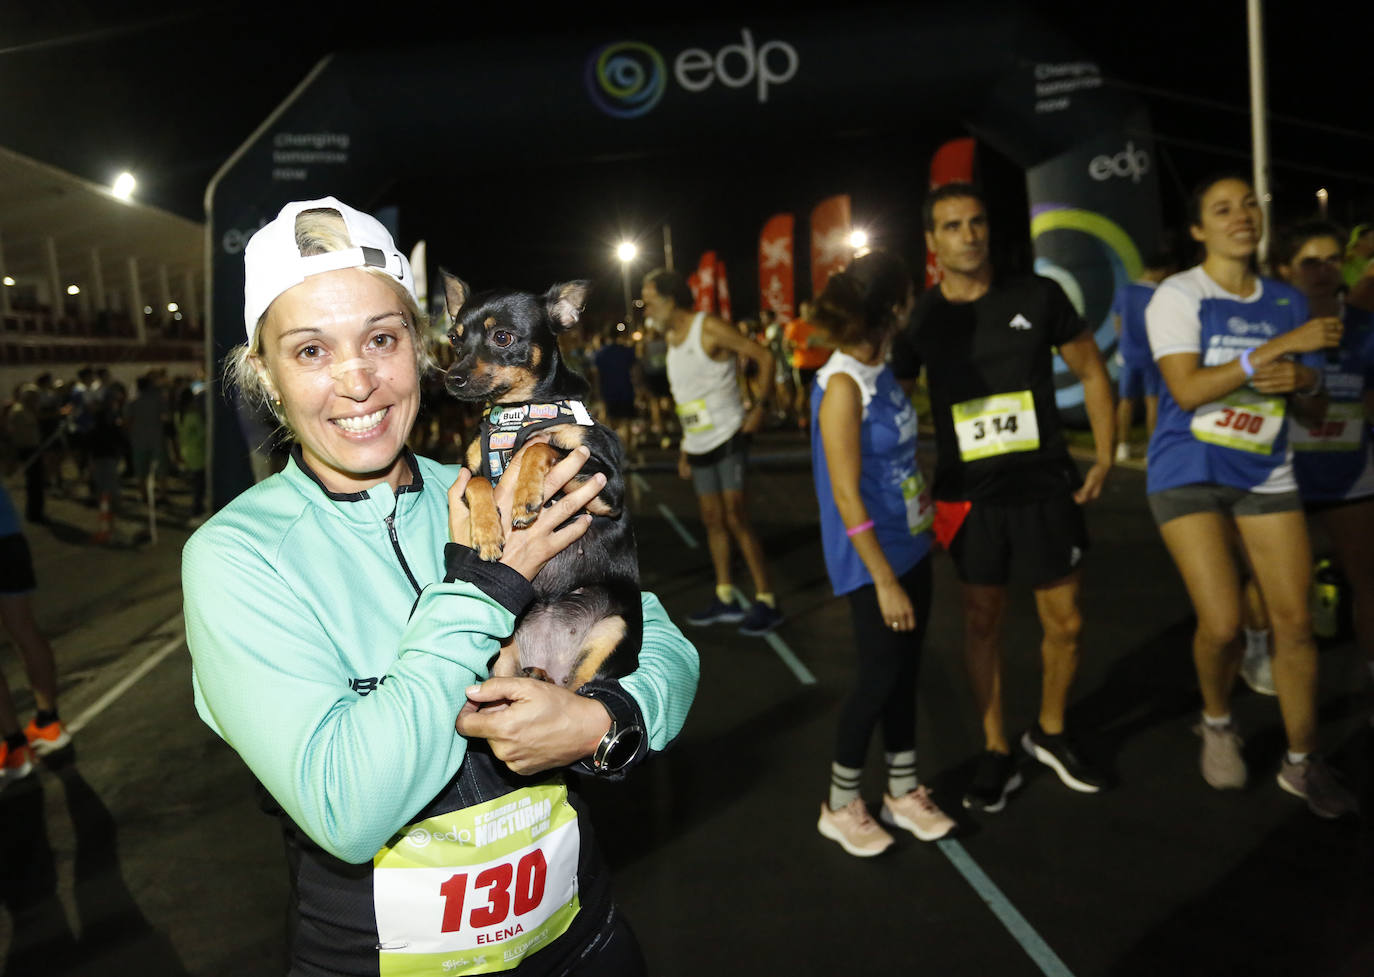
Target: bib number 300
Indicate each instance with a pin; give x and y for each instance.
(1243, 420)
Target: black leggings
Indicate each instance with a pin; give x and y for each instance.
(888, 661)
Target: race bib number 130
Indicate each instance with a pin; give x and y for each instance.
(996, 425)
(475, 891)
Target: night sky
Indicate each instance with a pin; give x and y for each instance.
(95, 88)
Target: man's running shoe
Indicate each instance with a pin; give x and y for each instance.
(854, 828)
(1222, 765)
(16, 762)
(718, 612)
(917, 813)
(1257, 669)
(995, 778)
(1314, 781)
(1059, 754)
(760, 620)
(46, 739)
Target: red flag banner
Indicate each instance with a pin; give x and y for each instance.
(723, 292)
(830, 249)
(706, 282)
(952, 163)
(776, 290)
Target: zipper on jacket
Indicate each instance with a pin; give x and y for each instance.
(396, 545)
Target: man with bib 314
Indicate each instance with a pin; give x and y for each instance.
(1004, 481)
(1238, 353)
(343, 650)
(702, 371)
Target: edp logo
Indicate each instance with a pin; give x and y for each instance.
(627, 79)
(737, 65)
(1131, 162)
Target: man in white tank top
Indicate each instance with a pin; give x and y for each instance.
(702, 352)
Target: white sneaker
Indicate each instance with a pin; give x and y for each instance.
(1257, 669)
(854, 828)
(917, 813)
(1123, 452)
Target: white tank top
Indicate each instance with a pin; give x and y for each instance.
(705, 391)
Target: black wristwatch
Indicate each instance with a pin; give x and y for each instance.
(617, 748)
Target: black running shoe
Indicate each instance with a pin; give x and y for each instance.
(995, 778)
(1058, 753)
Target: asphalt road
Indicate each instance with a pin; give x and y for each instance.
(142, 851)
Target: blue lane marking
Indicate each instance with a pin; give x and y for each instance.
(779, 646)
(1036, 948)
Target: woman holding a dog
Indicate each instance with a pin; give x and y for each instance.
(341, 648)
(875, 522)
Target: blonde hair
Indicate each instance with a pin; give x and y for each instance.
(318, 231)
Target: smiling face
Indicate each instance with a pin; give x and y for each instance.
(1231, 220)
(959, 240)
(339, 353)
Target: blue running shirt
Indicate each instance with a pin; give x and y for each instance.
(1334, 460)
(1129, 304)
(890, 483)
(1240, 440)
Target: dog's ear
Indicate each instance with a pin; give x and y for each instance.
(565, 303)
(456, 292)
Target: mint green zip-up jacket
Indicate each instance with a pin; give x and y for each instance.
(327, 650)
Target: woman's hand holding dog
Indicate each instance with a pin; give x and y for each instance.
(527, 550)
(531, 725)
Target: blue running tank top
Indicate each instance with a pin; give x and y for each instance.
(890, 482)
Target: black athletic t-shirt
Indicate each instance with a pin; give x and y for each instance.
(1010, 449)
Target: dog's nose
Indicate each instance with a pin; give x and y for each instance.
(457, 381)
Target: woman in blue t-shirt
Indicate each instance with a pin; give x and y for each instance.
(1333, 456)
(875, 520)
(1228, 342)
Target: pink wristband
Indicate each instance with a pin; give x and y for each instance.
(862, 527)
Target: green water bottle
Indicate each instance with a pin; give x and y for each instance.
(1326, 600)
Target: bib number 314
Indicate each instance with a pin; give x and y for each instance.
(996, 425)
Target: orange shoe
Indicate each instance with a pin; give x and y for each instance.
(46, 739)
(15, 763)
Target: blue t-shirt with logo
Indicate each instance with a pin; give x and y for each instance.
(1334, 459)
(890, 482)
(1129, 305)
(1240, 440)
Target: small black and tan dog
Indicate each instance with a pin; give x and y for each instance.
(586, 621)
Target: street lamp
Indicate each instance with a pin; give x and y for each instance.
(858, 240)
(626, 252)
(124, 186)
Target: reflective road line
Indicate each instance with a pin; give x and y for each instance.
(681, 529)
(124, 684)
(789, 659)
(1036, 948)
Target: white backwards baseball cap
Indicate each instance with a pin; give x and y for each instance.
(272, 262)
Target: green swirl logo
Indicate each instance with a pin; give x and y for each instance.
(626, 79)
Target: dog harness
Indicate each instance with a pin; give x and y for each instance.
(506, 428)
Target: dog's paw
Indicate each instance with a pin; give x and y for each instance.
(525, 515)
(491, 551)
